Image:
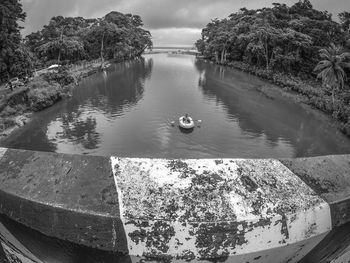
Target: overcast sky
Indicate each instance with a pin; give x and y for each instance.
(171, 22)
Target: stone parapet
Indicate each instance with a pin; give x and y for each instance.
(241, 210)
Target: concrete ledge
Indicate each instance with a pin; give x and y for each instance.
(329, 177)
(208, 208)
(71, 197)
(246, 210)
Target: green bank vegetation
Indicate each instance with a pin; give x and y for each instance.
(80, 45)
(296, 47)
(69, 39)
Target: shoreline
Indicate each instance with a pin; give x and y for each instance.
(303, 92)
(285, 84)
(77, 72)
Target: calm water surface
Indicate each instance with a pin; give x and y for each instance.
(127, 111)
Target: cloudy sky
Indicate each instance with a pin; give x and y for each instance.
(171, 22)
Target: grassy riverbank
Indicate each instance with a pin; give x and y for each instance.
(40, 93)
(308, 91)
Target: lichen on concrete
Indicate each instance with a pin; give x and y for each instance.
(214, 208)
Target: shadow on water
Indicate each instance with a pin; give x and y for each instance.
(186, 131)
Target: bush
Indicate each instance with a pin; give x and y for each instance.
(61, 77)
(6, 123)
(44, 94)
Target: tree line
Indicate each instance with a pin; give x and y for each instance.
(291, 39)
(67, 39)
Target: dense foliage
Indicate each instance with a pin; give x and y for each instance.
(15, 59)
(66, 39)
(290, 46)
(115, 36)
(345, 20)
(332, 67)
(279, 38)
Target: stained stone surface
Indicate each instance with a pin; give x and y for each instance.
(209, 208)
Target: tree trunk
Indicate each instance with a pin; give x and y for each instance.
(271, 59)
(222, 56)
(143, 50)
(59, 48)
(267, 55)
(102, 48)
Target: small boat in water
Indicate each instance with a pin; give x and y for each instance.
(186, 122)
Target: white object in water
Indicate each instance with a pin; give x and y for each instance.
(184, 124)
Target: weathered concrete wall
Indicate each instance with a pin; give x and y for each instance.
(67, 196)
(329, 177)
(237, 210)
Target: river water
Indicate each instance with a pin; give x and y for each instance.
(128, 110)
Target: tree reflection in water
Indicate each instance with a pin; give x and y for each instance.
(75, 122)
(79, 131)
(110, 93)
(125, 111)
(120, 86)
(256, 114)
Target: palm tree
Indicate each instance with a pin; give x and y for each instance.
(331, 67)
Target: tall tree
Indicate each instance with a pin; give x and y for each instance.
(10, 38)
(279, 38)
(263, 37)
(67, 48)
(331, 67)
(115, 36)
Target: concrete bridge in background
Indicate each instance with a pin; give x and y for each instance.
(233, 210)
